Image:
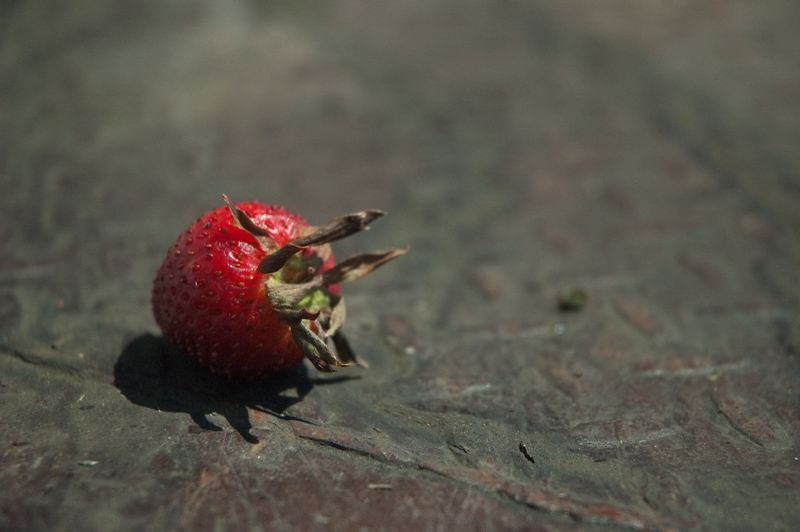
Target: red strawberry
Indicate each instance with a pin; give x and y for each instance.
(251, 289)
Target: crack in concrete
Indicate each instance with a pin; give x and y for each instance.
(528, 496)
(735, 426)
(37, 360)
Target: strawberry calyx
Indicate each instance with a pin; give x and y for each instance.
(303, 294)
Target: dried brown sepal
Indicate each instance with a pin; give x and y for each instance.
(316, 350)
(264, 239)
(339, 228)
(345, 352)
(275, 261)
(332, 317)
(359, 265)
(293, 318)
(336, 318)
(336, 229)
(288, 295)
(299, 279)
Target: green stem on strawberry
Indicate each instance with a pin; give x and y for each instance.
(300, 293)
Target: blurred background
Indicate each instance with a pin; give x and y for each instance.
(642, 153)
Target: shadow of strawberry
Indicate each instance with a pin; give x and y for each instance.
(153, 373)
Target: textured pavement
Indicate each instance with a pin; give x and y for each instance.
(645, 153)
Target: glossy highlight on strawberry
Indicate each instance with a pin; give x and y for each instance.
(251, 289)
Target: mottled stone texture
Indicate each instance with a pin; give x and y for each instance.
(645, 152)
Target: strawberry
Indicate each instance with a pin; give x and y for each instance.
(251, 289)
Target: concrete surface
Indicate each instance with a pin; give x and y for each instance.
(645, 152)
